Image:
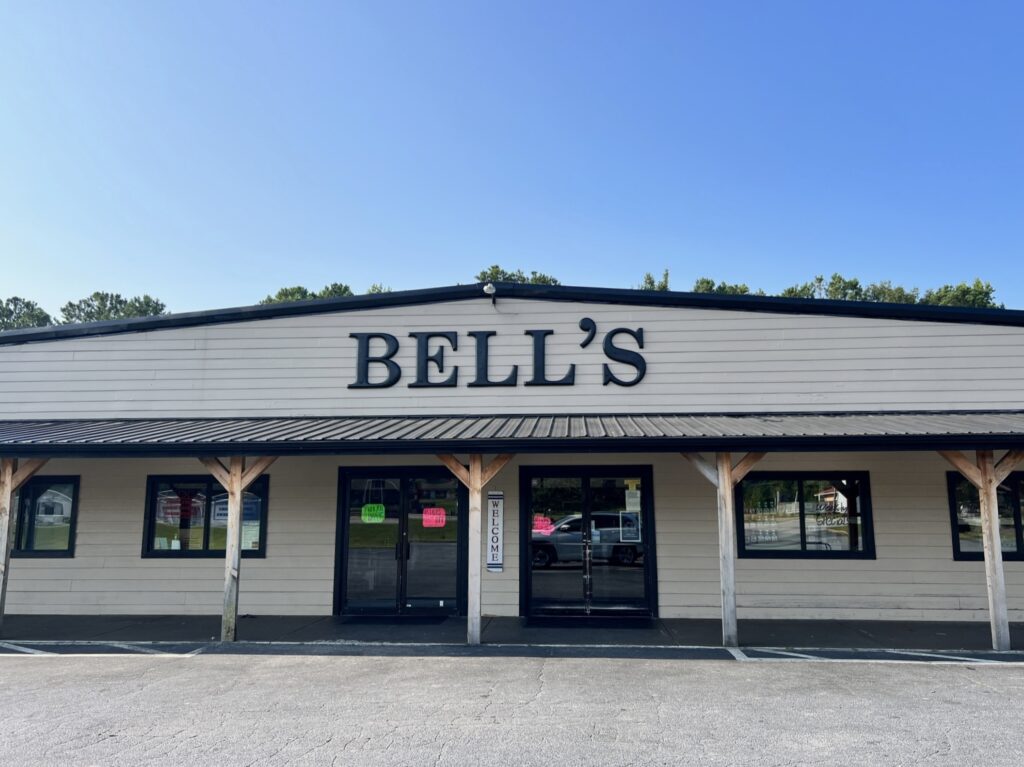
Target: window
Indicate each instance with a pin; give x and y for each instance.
(807, 514)
(47, 512)
(187, 516)
(965, 515)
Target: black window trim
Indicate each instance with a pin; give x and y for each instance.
(866, 515)
(69, 552)
(1015, 479)
(148, 552)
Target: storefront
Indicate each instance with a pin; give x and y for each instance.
(535, 452)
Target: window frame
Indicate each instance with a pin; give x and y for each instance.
(148, 527)
(1017, 479)
(866, 516)
(69, 552)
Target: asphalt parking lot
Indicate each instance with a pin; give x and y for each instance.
(362, 704)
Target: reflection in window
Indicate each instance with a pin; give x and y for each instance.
(805, 515)
(965, 509)
(45, 522)
(188, 516)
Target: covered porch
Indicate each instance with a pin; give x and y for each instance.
(982, 447)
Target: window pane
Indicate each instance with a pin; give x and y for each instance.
(968, 518)
(179, 521)
(771, 515)
(252, 513)
(832, 516)
(46, 524)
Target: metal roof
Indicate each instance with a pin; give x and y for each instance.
(515, 433)
(505, 291)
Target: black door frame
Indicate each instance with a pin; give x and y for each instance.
(646, 474)
(345, 475)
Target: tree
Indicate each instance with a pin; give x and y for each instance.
(650, 283)
(813, 289)
(886, 292)
(110, 306)
(978, 294)
(18, 312)
(377, 288)
(707, 285)
(300, 293)
(497, 274)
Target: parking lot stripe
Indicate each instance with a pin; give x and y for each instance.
(27, 650)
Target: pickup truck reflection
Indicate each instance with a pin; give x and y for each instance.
(614, 537)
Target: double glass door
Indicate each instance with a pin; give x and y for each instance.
(401, 544)
(590, 541)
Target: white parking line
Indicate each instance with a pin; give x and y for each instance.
(135, 648)
(737, 653)
(27, 650)
(791, 654)
(942, 656)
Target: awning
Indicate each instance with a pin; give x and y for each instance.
(962, 430)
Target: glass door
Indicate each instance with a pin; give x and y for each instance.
(400, 549)
(589, 541)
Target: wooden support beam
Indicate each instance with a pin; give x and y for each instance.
(992, 546)
(475, 478)
(456, 468)
(1007, 464)
(986, 475)
(235, 478)
(724, 476)
(964, 465)
(220, 472)
(727, 549)
(707, 469)
(13, 474)
(743, 467)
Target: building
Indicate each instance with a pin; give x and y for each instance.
(521, 451)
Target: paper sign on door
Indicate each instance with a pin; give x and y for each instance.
(373, 513)
(434, 517)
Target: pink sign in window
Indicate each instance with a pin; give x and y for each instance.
(434, 517)
(542, 525)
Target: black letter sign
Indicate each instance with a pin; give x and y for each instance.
(423, 358)
(483, 362)
(539, 373)
(364, 359)
(626, 356)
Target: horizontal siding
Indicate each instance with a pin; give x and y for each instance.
(913, 578)
(698, 360)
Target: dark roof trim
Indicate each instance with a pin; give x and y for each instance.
(628, 297)
(859, 443)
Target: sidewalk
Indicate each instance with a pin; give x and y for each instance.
(509, 631)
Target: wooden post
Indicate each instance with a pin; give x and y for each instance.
(727, 549)
(475, 479)
(724, 476)
(12, 477)
(235, 479)
(986, 476)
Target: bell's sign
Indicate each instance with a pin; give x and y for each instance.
(376, 351)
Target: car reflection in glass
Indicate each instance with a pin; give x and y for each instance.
(614, 538)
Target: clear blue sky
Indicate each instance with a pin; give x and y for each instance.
(209, 153)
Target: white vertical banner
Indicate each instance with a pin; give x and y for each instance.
(495, 531)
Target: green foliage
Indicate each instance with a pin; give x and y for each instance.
(377, 288)
(497, 274)
(300, 293)
(18, 312)
(888, 293)
(978, 294)
(650, 283)
(707, 285)
(110, 306)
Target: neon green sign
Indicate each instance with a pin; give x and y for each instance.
(373, 513)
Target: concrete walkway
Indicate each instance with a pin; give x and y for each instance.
(509, 631)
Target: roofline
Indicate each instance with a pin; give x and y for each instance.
(505, 290)
(577, 445)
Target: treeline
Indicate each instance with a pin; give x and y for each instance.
(16, 312)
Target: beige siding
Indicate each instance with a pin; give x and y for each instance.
(913, 578)
(699, 360)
